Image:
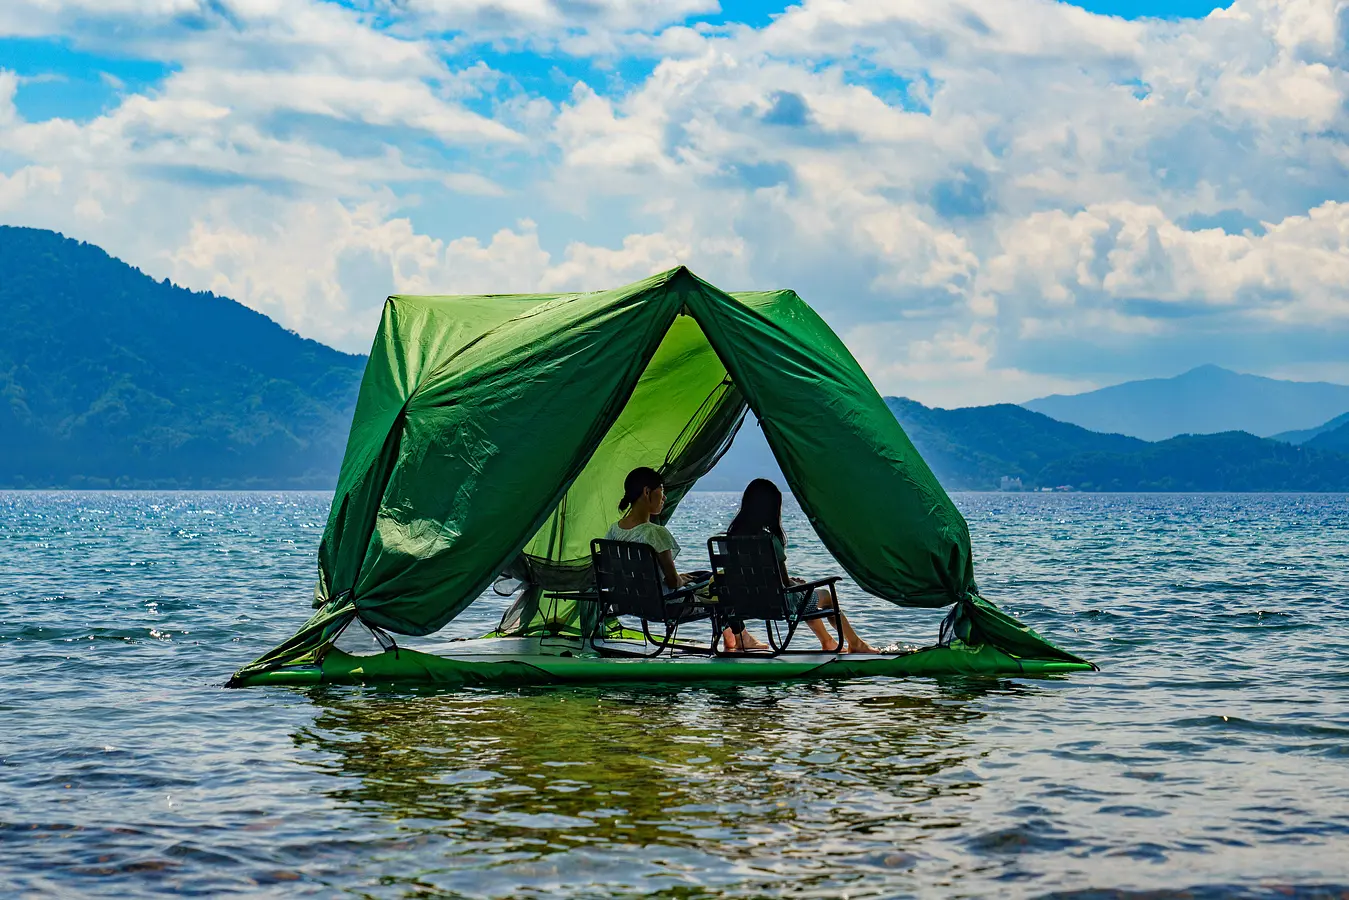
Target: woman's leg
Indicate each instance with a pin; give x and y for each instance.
(855, 644)
(823, 601)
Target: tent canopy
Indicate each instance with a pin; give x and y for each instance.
(493, 433)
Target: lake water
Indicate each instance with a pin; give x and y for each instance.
(1209, 757)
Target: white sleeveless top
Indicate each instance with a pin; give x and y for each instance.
(657, 537)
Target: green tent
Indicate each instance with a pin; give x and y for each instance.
(492, 435)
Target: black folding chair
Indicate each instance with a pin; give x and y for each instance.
(629, 582)
(747, 583)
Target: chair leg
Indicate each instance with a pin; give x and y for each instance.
(661, 644)
(716, 632)
(838, 620)
(671, 632)
(776, 648)
(618, 653)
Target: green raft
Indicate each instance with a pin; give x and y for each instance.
(491, 437)
(514, 662)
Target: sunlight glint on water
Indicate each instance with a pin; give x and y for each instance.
(1210, 754)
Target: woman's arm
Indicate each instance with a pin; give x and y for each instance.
(667, 568)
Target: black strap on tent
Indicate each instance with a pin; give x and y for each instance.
(386, 641)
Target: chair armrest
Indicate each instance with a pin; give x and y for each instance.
(687, 591)
(589, 596)
(812, 585)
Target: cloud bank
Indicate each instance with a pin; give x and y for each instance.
(988, 201)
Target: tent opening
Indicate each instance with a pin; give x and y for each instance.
(680, 419)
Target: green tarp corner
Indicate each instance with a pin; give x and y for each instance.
(492, 433)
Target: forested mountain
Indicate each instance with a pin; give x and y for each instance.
(1304, 435)
(1336, 439)
(110, 378)
(1206, 400)
(1234, 461)
(974, 448)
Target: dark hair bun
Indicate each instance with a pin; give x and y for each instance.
(639, 480)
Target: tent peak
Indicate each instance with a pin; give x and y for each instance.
(682, 277)
(679, 271)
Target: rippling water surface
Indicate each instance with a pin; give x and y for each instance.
(1209, 757)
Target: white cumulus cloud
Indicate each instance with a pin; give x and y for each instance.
(988, 201)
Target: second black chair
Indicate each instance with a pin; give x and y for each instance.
(629, 582)
(747, 581)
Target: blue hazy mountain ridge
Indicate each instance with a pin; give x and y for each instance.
(971, 448)
(109, 378)
(1205, 400)
(1334, 439)
(974, 448)
(1304, 435)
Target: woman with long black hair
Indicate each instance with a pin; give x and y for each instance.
(643, 499)
(761, 513)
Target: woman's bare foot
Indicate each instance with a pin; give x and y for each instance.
(828, 646)
(860, 646)
(750, 642)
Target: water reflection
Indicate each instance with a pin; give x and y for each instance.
(1207, 759)
(728, 789)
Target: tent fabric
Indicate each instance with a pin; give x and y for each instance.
(490, 430)
(871, 498)
(681, 411)
(493, 433)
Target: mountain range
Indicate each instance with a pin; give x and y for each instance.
(991, 447)
(109, 378)
(1205, 400)
(1330, 435)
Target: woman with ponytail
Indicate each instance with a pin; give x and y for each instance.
(643, 498)
(761, 513)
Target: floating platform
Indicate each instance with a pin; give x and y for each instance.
(520, 661)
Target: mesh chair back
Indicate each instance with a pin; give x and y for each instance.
(628, 579)
(746, 575)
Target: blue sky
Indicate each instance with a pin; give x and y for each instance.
(989, 201)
